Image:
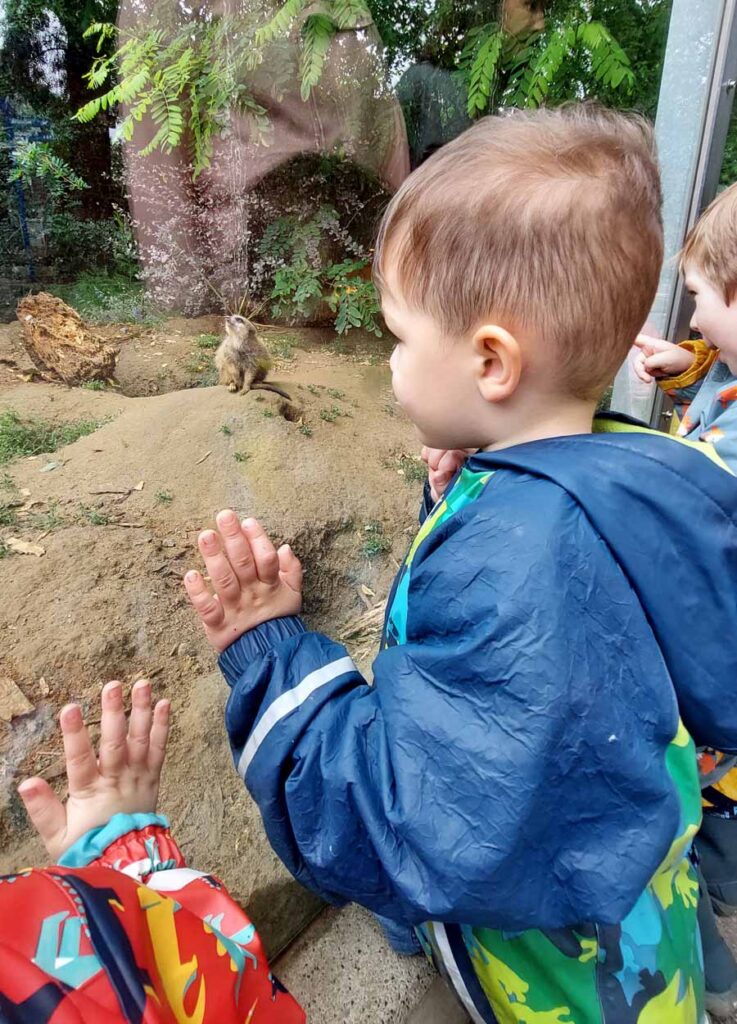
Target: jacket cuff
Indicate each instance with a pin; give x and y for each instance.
(255, 644)
(705, 357)
(93, 844)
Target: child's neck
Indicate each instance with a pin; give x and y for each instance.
(542, 420)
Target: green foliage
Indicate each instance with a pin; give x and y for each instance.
(354, 300)
(525, 71)
(106, 298)
(729, 163)
(95, 517)
(376, 543)
(163, 497)
(207, 341)
(22, 437)
(303, 279)
(8, 514)
(317, 36)
(187, 80)
(37, 162)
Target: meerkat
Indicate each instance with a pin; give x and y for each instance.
(242, 361)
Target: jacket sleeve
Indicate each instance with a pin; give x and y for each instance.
(506, 754)
(684, 388)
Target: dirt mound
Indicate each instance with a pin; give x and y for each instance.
(117, 516)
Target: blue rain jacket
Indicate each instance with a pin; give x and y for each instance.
(507, 766)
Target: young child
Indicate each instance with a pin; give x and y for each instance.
(120, 930)
(701, 376)
(520, 780)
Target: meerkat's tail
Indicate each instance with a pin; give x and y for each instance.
(266, 386)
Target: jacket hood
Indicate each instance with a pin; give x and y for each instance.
(668, 514)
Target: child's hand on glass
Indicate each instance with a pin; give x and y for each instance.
(442, 466)
(659, 358)
(252, 581)
(122, 779)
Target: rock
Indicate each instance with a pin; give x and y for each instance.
(23, 547)
(13, 702)
(58, 342)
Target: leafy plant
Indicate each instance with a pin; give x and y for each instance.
(187, 79)
(523, 72)
(163, 497)
(353, 299)
(208, 341)
(376, 543)
(104, 298)
(95, 517)
(303, 279)
(37, 162)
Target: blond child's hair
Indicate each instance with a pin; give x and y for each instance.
(548, 221)
(711, 244)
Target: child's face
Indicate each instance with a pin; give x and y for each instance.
(713, 318)
(433, 377)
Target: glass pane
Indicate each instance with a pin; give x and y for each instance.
(164, 163)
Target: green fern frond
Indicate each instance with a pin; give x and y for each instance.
(317, 36)
(536, 82)
(281, 22)
(347, 14)
(483, 72)
(609, 63)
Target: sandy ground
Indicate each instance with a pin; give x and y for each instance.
(117, 517)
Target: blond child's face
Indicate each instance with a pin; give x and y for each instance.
(713, 318)
(433, 378)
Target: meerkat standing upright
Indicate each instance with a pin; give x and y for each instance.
(242, 361)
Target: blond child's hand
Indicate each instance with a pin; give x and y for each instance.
(659, 358)
(122, 779)
(252, 581)
(442, 466)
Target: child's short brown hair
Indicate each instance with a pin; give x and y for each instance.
(547, 220)
(711, 244)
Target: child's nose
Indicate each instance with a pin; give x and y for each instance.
(694, 325)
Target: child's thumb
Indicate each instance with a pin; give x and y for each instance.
(45, 810)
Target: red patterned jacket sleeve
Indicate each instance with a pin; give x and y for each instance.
(123, 931)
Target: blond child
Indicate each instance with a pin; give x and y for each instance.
(701, 376)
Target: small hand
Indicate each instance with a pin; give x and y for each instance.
(659, 358)
(253, 582)
(123, 779)
(443, 464)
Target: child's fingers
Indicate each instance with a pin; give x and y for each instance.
(290, 568)
(81, 764)
(113, 728)
(649, 342)
(219, 569)
(237, 547)
(139, 723)
(264, 553)
(207, 607)
(159, 735)
(44, 808)
(659, 363)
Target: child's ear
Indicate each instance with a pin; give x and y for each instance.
(499, 358)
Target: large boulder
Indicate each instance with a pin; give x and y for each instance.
(60, 344)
